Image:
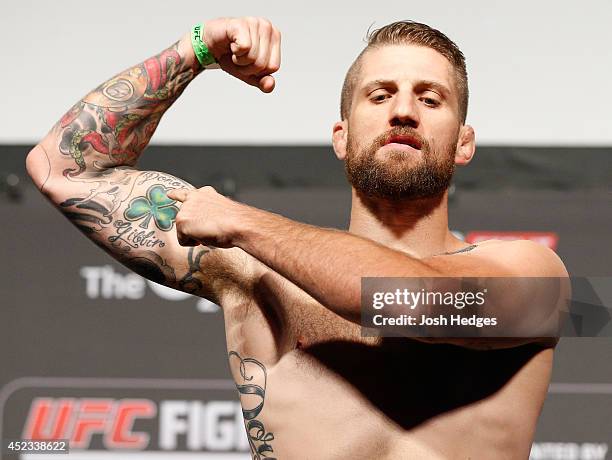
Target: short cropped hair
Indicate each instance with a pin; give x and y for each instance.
(409, 33)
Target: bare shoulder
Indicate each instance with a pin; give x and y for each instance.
(521, 257)
(533, 287)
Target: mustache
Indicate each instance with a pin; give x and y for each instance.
(398, 131)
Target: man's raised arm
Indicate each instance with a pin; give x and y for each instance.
(86, 164)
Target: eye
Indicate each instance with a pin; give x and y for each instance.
(430, 101)
(379, 96)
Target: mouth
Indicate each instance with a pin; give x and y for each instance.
(405, 140)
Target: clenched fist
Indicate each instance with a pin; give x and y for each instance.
(247, 48)
(207, 217)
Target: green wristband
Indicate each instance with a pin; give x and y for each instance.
(200, 49)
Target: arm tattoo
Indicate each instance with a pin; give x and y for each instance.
(189, 282)
(92, 217)
(124, 211)
(95, 215)
(113, 124)
(154, 206)
(252, 381)
(150, 265)
(88, 216)
(116, 186)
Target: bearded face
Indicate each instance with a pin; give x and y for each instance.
(399, 173)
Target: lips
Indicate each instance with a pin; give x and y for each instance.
(405, 139)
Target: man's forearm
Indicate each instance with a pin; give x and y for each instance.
(326, 263)
(113, 124)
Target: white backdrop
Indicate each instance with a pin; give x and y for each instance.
(540, 71)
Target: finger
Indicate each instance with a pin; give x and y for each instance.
(229, 67)
(263, 54)
(249, 57)
(275, 51)
(240, 37)
(266, 83)
(178, 194)
(261, 65)
(184, 240)
(188, 242)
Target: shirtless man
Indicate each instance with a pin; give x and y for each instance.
(310, 386)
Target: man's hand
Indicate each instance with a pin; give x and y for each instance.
(247, 48)
(208, 218)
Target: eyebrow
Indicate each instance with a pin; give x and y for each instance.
(371, 84)
(419, 86)
(441, 88)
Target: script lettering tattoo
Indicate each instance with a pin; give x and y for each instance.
(114, 123)
(164, 178)
(127, 237)
(117, 184)
(92, 217)
(252, 383)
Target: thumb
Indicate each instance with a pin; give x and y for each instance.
(266, 84)
(179, 194)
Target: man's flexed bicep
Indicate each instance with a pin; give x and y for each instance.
(85, 165)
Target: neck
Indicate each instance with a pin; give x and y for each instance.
(418, 227)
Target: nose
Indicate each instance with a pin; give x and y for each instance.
(404, 111)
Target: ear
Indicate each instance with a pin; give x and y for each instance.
(466, 145)
(339, 139)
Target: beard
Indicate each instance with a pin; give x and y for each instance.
(396, 177)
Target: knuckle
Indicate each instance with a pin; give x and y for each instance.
(244, 62)
(241, 24)
(265, 24)
(233, 23)
(258, 66)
